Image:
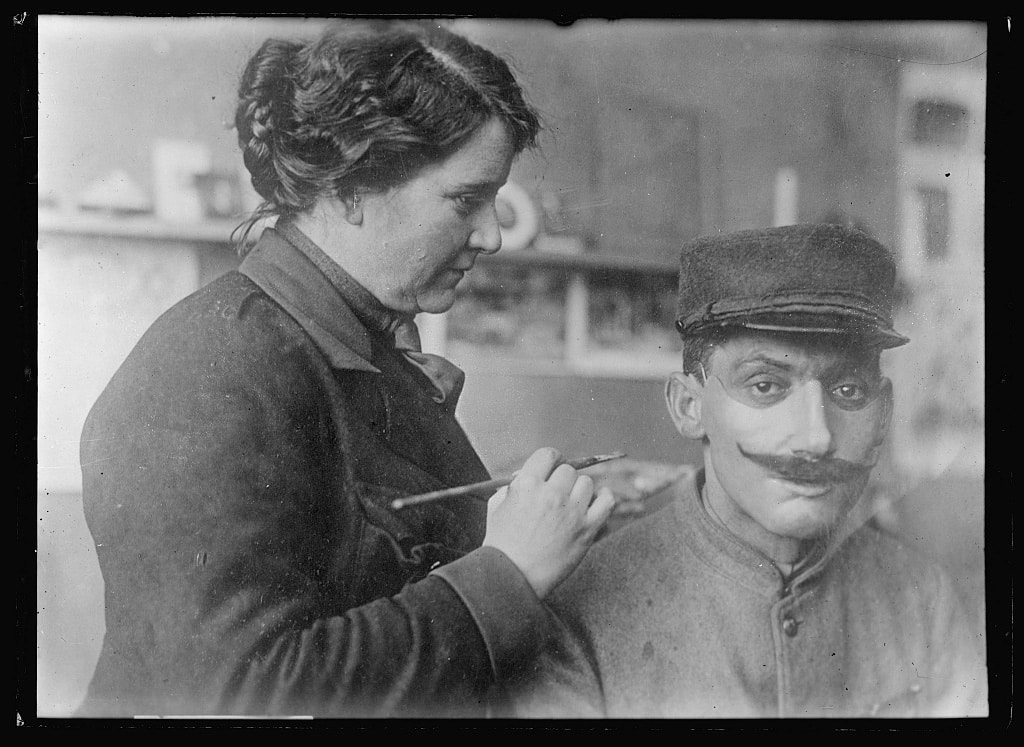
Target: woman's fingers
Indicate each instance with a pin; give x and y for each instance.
(540, 464)
(601, 508)
(582, 490)
(563, 479)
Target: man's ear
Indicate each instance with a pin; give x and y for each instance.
(683, 397)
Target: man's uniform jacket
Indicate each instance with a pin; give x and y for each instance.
(238, 471)
(674, 617)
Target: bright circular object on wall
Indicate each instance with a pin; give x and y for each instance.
(518, 216)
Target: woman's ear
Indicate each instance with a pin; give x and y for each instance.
(683, 397)
(353, 208)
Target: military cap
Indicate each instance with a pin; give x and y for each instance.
(819, 278)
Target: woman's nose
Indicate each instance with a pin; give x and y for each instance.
(486, 235)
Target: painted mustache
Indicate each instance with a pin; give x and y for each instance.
(829, 470)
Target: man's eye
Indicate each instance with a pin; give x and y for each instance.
(850, 393)
(767, 388)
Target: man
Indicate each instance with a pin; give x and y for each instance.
(763, 592)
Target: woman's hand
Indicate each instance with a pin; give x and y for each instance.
(544, 521)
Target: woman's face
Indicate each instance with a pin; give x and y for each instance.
(428, 231)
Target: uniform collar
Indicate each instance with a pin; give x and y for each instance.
(326, 310)
(784, 551)
(739, 560)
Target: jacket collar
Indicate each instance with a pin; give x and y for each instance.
(371, 312)
(294, 281)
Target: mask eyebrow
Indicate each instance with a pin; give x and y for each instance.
(764, 359)
(850, 366)
(830, 369)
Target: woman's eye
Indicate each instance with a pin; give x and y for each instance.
(468, 203)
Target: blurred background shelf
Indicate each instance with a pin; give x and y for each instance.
(569, 273)
(551, 252)
(137, 227)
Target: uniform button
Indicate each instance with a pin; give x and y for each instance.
(790, 626)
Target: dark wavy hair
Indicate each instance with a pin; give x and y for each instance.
(697, 350)
(366, 109)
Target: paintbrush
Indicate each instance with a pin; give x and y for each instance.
(484, 490)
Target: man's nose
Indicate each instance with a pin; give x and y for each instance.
(812, 437)
(486, 235)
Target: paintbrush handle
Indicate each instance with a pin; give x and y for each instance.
(483, 490)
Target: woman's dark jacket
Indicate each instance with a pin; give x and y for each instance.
(238, 471)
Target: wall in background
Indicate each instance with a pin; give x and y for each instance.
(753, 97)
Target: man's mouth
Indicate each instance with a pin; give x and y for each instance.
(802, 480)
(804, 488)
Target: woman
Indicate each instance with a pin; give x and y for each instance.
(240, 466)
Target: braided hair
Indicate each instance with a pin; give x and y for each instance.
(366, 110)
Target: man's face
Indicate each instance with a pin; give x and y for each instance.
(793, 425)
(428, 231)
